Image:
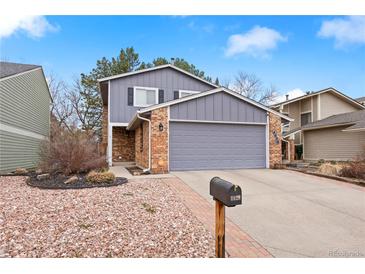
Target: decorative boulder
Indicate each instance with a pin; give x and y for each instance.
(44, 176)
(71, 180)
(21, 171)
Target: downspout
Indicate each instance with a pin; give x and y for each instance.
(149, 142)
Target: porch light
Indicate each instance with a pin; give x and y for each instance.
(160, 127)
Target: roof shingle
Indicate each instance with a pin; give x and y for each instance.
(9, 69)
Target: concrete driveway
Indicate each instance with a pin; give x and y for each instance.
(293, 214)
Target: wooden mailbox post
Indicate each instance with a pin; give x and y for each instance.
(225, 194)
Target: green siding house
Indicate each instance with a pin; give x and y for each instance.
(24, 115)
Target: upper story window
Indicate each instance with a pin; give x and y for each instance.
(305, 118)
(144, 97)
(183, 93)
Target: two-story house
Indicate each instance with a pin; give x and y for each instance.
(309, 143)
(164, 119)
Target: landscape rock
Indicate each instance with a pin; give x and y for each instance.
(21, 171)
(44, 176)
(72, 180)
(99, 222)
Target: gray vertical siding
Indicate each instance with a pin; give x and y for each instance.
(218, 107)
(25, 106)
(167, 79)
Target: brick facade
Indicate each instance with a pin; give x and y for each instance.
(274, 140)
(141, 145)
(123, 145)
(159, 141)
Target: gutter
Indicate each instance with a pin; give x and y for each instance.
(149, 142)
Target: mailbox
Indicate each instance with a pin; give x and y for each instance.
(227, 193)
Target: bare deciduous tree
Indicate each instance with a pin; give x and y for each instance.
(252, 87)
(88, 118)
(61, 108)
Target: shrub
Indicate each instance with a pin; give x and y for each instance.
(354, 170)
(70, 151)
(100, 177)
(330, 169)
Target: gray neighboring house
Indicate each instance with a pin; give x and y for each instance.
(24, 115)
(338, 137)
(361, 100)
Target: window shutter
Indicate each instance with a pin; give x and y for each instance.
(161, 95)
(176, 94)
(130, 96)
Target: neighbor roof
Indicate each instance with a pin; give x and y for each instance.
(152, 69)
(330, 89)
(206, 93)
(361, 99)
(9, 69)
(351, 118)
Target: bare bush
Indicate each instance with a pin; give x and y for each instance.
(70, 151)
(354, 170)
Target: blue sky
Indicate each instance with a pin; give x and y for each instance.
(290, 52)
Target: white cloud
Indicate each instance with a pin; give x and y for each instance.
(345, 31)
(34, 26)
(294, 93)
(256, 42)
(207, 28)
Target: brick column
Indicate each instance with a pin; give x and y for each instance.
(274, 140)
(141, 145)
(159, 141)
(292, 150)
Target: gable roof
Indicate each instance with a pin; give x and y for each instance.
(361, 99)
(10, 69)
(330, 89)
(156, 68)
(350, 118)
(202, 94)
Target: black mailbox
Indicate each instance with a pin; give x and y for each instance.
(227, 193)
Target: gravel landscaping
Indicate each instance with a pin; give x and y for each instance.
(142, 218)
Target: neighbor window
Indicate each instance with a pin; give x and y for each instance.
(144, 97)
(183, 93)
(305, 118)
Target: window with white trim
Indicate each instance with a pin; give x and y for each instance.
(183, 93)
(144, 97)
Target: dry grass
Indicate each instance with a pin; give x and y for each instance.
(330, 169)
(100, 177)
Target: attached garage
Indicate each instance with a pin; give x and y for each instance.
(216, 129)
(198, 146)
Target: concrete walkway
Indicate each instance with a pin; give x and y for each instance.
(293, 214)
(121, 171)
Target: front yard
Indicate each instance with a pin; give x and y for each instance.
(142, 218)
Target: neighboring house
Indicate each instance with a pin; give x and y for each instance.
(310, 108)
(24, 115)
(361, 100)
(338, 137)
(166, 119)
